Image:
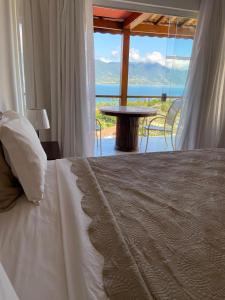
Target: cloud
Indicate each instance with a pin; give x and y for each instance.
(115, 53)
(111, 58)
(135, 55)
(105, 60)
(180, 64)
(154, 57)
(157, 57)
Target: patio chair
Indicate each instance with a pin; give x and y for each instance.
(98, 129)
(169, 123)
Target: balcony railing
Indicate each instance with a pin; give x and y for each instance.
(138, 97)
(161, 103)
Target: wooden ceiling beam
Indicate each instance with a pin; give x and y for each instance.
(135, 19)
(108, 24)
(159, 20)
(183, 22)
(163, 31)
(105, 30)
(148, 29)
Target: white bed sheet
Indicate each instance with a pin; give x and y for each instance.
(6, 290)
(46, 250)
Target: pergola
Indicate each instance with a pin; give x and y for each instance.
(129, 23)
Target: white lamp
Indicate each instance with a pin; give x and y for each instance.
(38, 118)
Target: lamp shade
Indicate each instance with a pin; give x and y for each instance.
(38, 118)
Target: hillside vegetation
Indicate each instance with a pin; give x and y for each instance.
(140, 74)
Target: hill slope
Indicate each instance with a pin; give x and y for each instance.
(139, 73)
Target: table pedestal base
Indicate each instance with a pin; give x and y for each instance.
(127, 133)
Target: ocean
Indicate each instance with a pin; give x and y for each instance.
(137, 90)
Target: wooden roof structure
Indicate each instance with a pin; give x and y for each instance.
(113, 21)
(129, 23)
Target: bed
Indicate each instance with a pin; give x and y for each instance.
(45, 250)
(140, 226)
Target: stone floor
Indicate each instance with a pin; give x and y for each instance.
(155, 144)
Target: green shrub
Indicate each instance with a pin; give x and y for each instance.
(108, 121)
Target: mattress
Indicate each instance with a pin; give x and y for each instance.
(45, 250)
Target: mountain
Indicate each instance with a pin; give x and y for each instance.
(140, 74)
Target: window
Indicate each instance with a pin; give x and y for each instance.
(153, 54)
(107, 63)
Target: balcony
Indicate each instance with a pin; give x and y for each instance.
(165, 67)
(156, 144)
(157, 141)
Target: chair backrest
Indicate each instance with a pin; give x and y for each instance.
(174, 109)
(98, 125)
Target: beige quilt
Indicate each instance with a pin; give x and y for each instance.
(159, 222)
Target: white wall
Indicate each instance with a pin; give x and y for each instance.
(186, 8)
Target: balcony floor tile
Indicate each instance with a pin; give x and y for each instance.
(156, 144)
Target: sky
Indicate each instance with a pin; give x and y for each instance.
(145, 49)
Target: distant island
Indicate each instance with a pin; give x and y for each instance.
(140, 74)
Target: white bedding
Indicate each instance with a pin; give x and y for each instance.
(46, 250)
(6, 290)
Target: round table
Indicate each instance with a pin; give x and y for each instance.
(127, 124)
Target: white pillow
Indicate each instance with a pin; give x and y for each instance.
(26, 155)
(7, 116)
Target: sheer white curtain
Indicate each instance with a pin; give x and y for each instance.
(59, 69)
(202, 122)
(11, 87)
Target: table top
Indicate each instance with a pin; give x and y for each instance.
(136, 111)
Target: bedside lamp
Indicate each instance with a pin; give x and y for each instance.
(38, 118)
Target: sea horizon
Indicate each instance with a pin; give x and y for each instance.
(140, 90)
